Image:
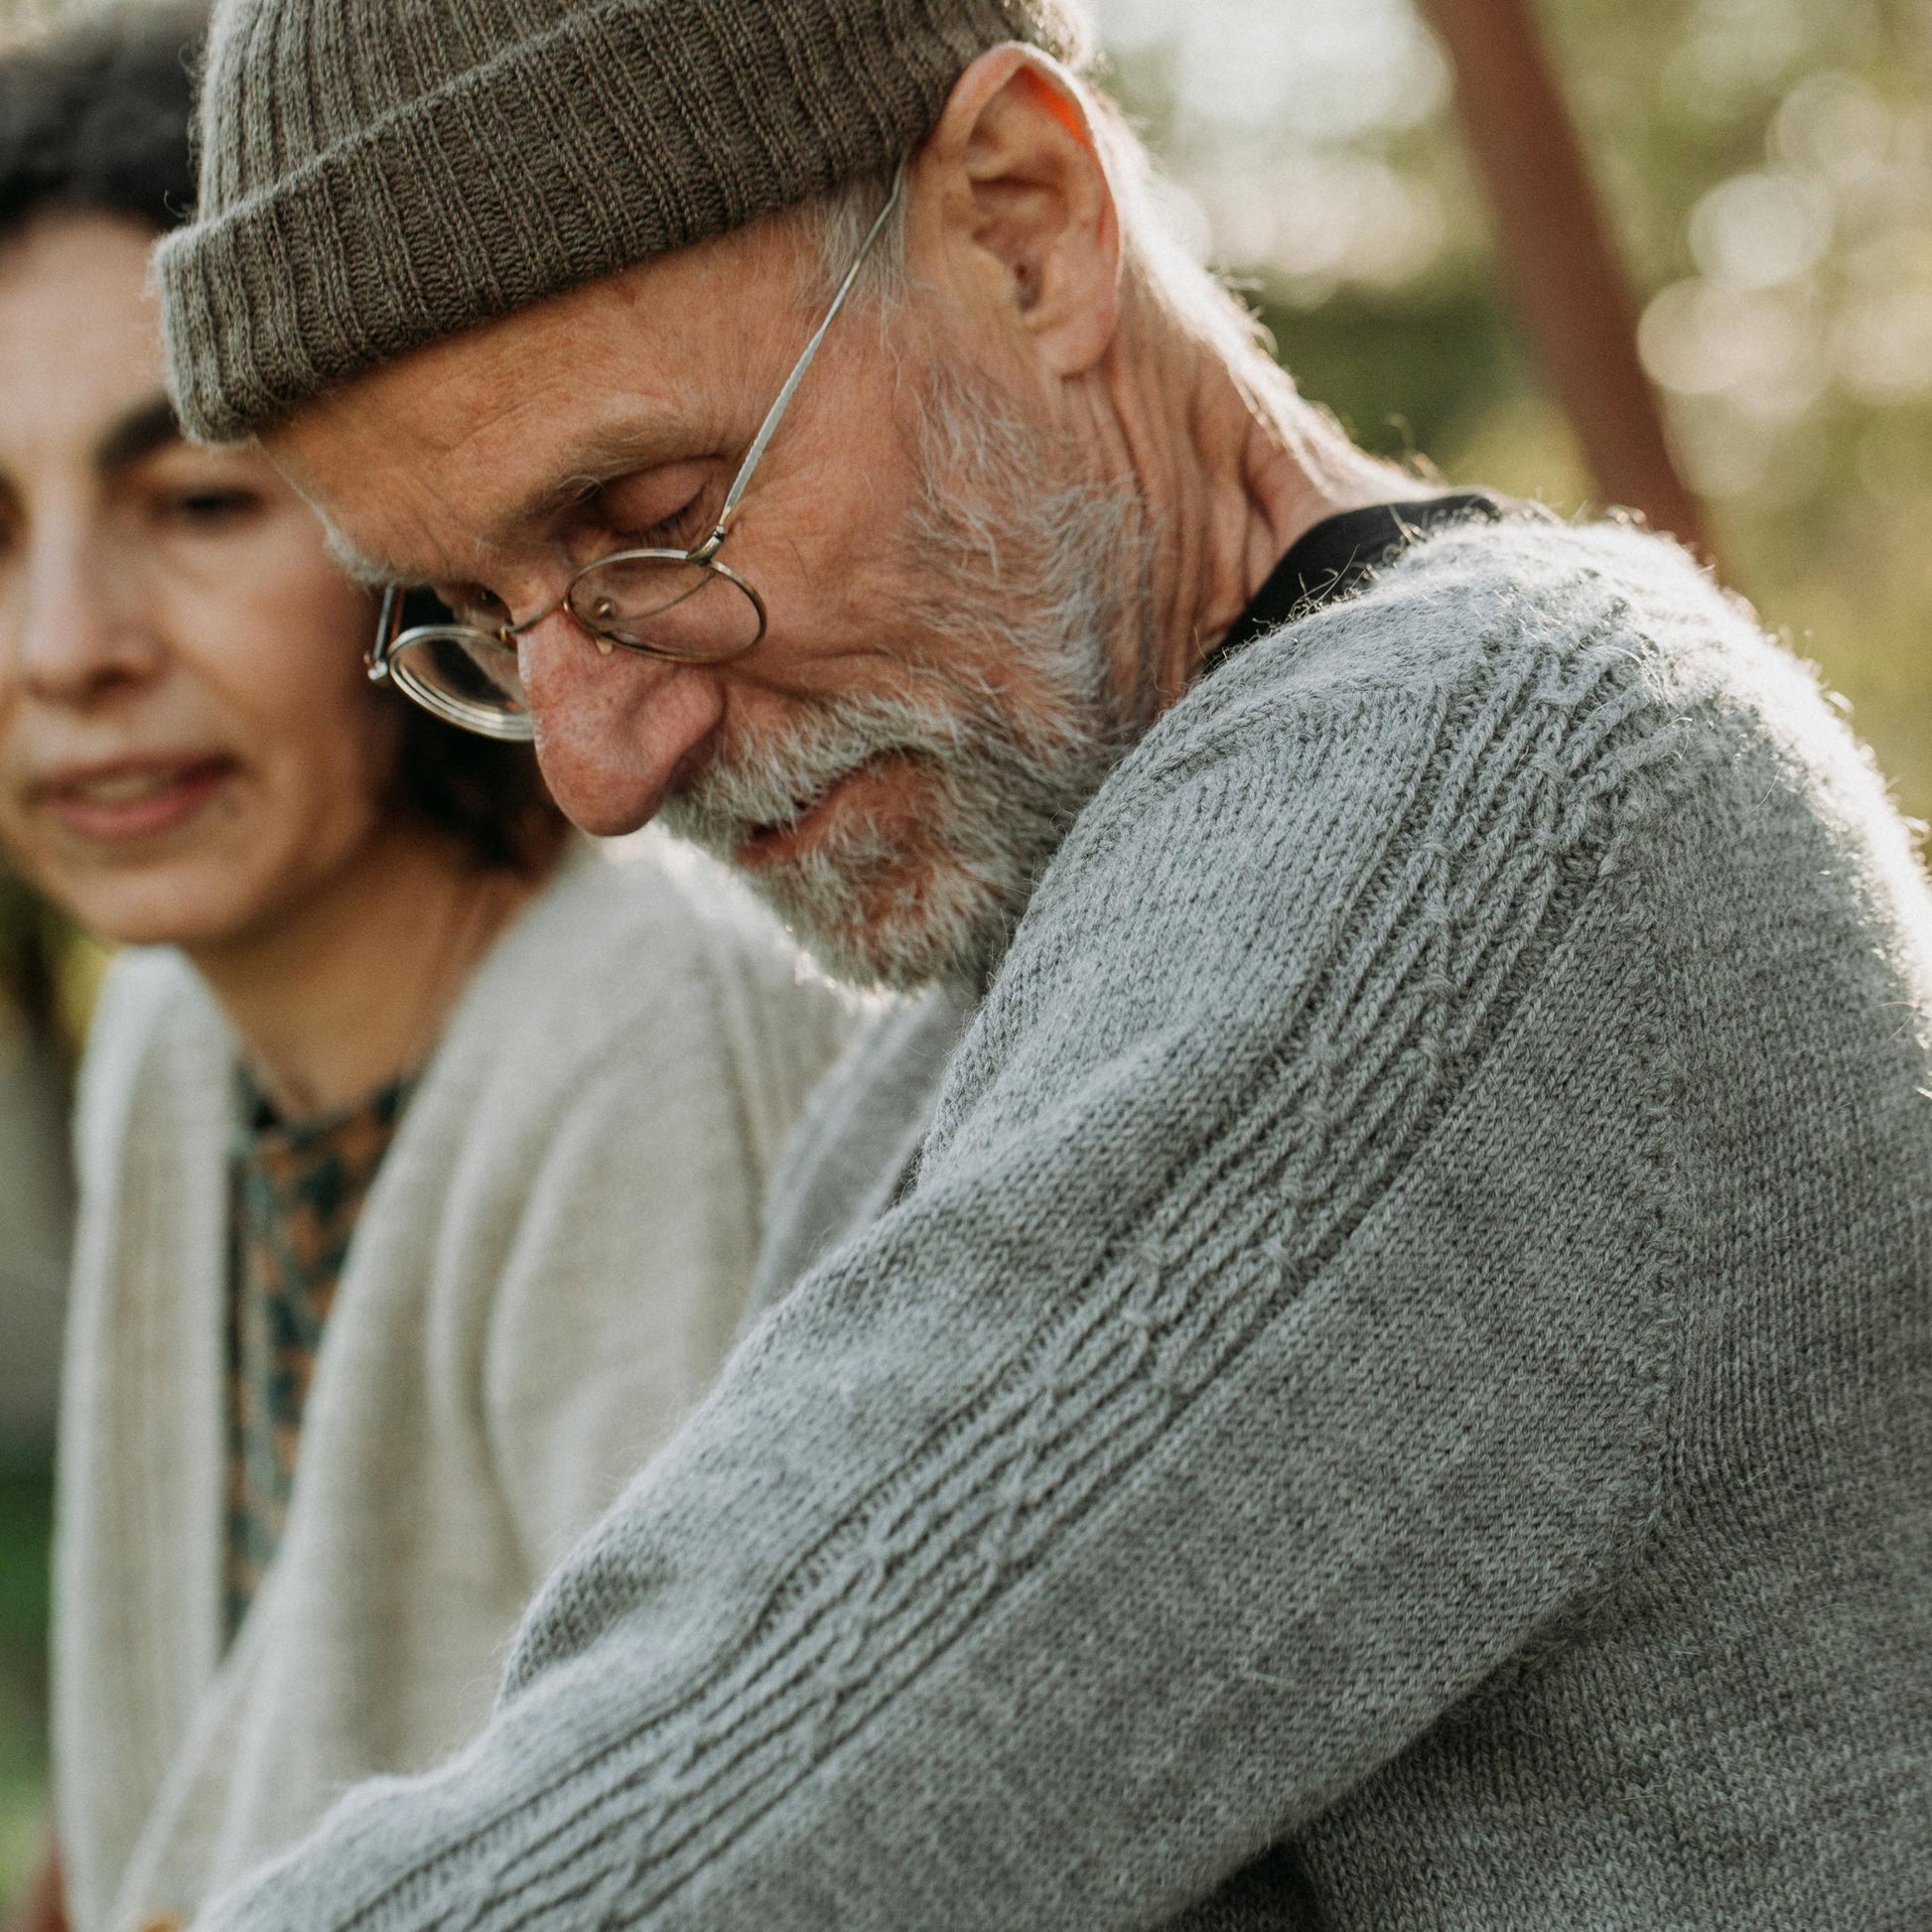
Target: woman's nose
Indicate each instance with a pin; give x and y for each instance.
(79, 626)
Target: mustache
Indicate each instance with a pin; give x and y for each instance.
(901, 901)
(771, 782)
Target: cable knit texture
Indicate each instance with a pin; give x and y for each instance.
(1401, 1395)
(379, 173)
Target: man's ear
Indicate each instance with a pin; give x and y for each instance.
(1011, 192)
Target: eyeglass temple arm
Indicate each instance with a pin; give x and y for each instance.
(375, 661)
(772, 416)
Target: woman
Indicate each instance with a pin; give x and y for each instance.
(421, 1145)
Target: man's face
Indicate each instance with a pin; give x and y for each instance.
(946, 580)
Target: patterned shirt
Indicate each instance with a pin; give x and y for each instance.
(298, 1192)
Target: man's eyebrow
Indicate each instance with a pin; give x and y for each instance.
(602, 458)
(147, 427)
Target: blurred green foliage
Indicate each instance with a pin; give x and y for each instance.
(40, 958)
(26, 1523)
(1767, 164)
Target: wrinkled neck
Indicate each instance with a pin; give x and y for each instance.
(1230, 466)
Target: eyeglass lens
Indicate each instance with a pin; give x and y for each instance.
(667, 605)
(663, 604)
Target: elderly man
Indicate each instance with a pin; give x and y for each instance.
(1395, 1388)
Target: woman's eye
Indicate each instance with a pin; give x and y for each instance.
(210, 510)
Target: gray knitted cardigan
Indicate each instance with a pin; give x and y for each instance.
(1401, 1397)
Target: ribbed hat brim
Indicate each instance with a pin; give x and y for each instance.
(623, 131)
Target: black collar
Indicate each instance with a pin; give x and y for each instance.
(1335, 557)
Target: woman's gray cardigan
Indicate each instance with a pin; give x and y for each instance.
(548, 1271)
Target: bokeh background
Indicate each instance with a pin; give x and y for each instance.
(1766, 166)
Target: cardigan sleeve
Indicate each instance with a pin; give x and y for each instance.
(616, 1303)
(626, 1277)
(1275, 1337)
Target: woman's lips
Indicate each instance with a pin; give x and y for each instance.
(119, 803)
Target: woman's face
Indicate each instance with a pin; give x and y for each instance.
(188, 747)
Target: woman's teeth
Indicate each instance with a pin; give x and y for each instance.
(124, 787)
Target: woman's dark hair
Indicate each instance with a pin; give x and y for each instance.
(486, 794)
(96, 118)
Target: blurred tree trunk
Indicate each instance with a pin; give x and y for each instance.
(1569, 289)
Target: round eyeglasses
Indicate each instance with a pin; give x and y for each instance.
(684, 604)
(674, 604)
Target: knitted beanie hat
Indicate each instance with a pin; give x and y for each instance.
(380, 174)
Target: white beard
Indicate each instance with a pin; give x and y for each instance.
(1017, 571)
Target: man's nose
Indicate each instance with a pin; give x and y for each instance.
(612, 727)
(77, 626)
